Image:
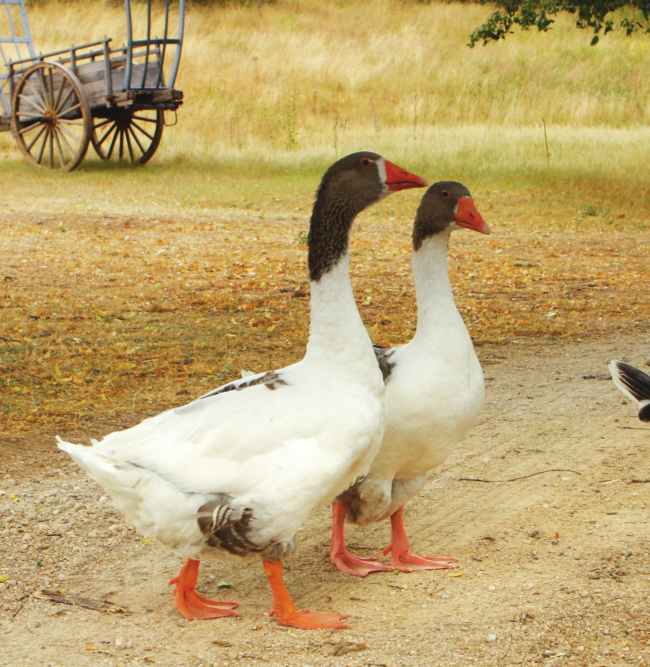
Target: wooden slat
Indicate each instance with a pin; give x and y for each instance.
(162, 96)
(136, 77)
(93, 77)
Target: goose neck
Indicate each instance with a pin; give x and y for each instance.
(435, 299)
(329, 234)
(336, 329)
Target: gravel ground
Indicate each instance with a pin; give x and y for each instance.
(552, 569)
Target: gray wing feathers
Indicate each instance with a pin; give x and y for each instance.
(271, 379)
(228, 529)
(383, 355)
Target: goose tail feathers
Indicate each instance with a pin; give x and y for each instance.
(153, 505)
(635, 384)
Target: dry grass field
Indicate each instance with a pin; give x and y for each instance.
(311, 79)
(125, 292)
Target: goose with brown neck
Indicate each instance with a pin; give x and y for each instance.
(235, 473)
(434, 392)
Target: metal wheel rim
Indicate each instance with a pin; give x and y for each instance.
(128, 136)
(50, 117)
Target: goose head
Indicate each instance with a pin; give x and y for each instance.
(361, 179)
(349, 186)
(446, 206)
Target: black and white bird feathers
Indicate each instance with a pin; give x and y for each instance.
(634, 384)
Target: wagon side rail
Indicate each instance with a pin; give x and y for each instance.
(73, 58)
(102, 71)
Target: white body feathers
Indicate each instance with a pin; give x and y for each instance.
(280, 452)
(434, 393)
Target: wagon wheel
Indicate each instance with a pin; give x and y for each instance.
(51, 117)
(128, 134)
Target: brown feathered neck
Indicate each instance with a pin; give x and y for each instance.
(348, 187)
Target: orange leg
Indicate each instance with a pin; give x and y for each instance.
(285, 611)
(189, 603)
(339, 556)
(401, 559)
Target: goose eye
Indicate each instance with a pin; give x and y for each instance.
(445, 194)
(366, 162)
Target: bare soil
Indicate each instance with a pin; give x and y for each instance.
(552, 569)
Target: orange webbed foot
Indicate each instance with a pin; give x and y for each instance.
(190, 604)
(303, 620)
(195, 607)
(408, 562)
(285, 611)
(359, 567)
(401, 558)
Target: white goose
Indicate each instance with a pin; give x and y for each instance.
(235, 473)
(434, 391)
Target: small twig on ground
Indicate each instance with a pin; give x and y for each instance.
(634, 428)
(639, 481)
(514, 479)
(105, 606)
(20, 606)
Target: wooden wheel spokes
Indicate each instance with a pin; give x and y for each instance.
(127, 135)
(51, 117)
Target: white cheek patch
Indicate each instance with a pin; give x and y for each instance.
(453, 225)
(381, 168)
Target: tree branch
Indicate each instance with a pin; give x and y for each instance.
(537, 13)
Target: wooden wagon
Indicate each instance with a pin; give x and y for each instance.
(56, 104)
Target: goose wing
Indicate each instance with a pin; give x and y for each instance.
(278, 450)
(635, 384)
(230, 439)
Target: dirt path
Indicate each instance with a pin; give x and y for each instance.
(554, 568)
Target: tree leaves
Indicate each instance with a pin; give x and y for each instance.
(536, 13)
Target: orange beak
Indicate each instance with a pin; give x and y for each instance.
(400, 179)
(467, 216)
